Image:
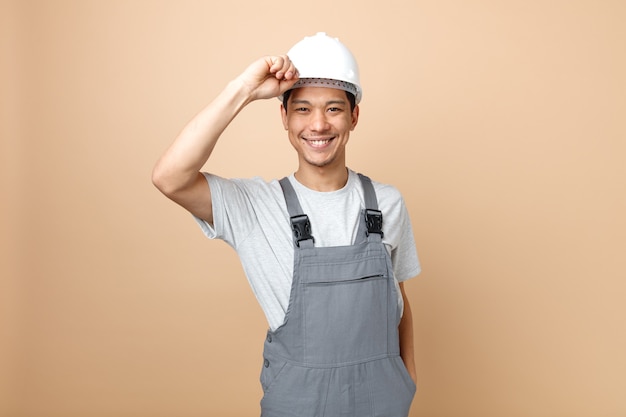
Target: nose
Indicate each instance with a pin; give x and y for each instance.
(319, 123)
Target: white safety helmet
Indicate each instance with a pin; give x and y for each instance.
(323, 61)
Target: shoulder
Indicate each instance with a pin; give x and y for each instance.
(386, 194)
(386, 191)
(243, 207)
(390, 203)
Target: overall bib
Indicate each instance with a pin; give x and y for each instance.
(337, 353)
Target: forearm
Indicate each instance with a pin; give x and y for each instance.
(179, 165)
(405, 330)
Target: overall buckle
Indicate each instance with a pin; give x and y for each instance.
(374, 221)
(301, 227)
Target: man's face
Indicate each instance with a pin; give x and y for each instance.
(319, 122)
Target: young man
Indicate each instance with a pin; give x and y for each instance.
(325, 250)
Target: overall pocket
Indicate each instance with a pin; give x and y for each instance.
(345, 320)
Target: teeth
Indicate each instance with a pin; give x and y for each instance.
(319, 142)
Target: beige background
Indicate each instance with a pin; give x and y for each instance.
(502, 122)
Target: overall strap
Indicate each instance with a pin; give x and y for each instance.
(373, 216)
(371, 202)
(300, 224)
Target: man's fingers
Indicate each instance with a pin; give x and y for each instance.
(283, 68)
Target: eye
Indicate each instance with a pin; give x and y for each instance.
(334, 109)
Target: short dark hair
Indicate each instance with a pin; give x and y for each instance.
(351, 99)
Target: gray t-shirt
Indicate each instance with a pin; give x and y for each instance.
(251, 216)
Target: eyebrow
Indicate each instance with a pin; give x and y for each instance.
(307, 102)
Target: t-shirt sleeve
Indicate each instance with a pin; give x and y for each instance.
(207, 228)
(398, 233)
(404, 257)
(233, 214)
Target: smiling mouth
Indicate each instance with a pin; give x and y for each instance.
(319, 143)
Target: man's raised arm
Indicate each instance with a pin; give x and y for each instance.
(177, 173)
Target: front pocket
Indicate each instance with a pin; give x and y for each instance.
(345, 320)
(296, 391)
(271, 370)
(346, 269)
(406, 376)
(325, 281)
(391, 395)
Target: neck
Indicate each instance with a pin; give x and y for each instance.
(322, 179)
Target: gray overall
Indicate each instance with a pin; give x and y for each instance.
(337, 353)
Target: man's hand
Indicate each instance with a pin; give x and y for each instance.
(269, 77)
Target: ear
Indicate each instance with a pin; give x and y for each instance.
(283, 115)
(355, 117)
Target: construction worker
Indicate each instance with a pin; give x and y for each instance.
(326, 250)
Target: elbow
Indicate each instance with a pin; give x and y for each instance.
(158, 179)
(173, 183)
(163, 182)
